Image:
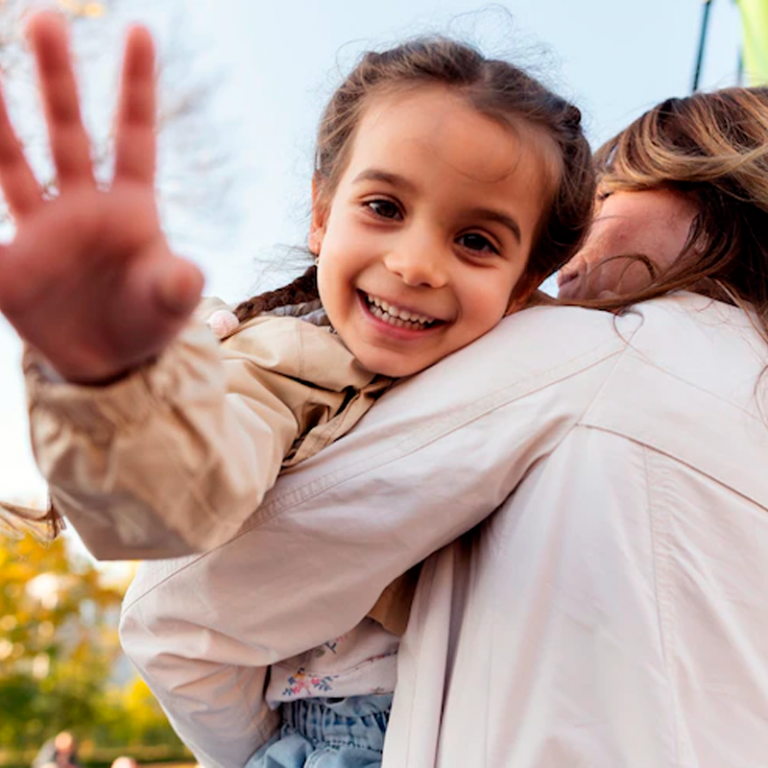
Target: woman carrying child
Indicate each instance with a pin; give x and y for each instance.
(611, 612)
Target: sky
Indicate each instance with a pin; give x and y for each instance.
(271, 67)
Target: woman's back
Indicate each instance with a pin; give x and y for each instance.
(601, 615)
(613, 611)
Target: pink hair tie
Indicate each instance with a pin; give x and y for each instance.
(223, 323)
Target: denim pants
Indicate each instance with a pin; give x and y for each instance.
(328, 733)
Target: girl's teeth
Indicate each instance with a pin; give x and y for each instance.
(400, 318)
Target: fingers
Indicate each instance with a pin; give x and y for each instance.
(135, 130)
(70, 146)
(20, 187)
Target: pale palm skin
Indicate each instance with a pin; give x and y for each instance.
(89, 279)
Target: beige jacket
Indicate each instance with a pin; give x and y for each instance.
(176, 457)
(187, 447)
(612, 612)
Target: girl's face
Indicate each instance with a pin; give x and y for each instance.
(429, 229)
(653, 223)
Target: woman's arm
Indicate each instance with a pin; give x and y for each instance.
(434, 457)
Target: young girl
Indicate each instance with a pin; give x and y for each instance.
(447, 186)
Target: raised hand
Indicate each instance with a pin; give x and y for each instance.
(89, 279)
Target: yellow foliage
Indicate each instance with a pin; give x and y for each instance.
(55, 605)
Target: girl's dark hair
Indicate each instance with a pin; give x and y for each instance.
(494, 88)
(713, 148)
(17, 521)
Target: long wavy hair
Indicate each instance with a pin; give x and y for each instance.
(713, 148)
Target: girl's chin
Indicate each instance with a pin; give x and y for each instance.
(384, 362)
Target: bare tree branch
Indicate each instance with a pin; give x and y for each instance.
(194, 174)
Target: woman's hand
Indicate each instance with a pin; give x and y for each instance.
(89, 280)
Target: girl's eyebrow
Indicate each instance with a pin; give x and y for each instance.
(504, 219)
(376, 174)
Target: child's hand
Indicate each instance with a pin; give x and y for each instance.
(89, 280)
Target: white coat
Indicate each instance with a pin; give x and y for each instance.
(612, 608)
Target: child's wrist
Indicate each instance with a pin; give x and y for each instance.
(99, 380)
(101, 376)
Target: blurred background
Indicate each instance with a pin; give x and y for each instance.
(242, 87)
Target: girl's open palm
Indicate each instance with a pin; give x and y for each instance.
(89, 279)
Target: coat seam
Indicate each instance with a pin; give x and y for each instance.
(662, 588)
(666, 601)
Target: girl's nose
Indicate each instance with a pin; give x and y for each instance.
(418, 266)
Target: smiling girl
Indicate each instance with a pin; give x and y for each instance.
(430, 226)
(447, 187)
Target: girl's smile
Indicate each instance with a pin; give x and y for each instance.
(429, 228)
(398, 316)
(396, 322)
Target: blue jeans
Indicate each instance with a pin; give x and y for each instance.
(328, 733)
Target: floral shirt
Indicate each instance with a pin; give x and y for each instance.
(361, 662)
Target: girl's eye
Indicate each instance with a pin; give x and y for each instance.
(475, 242)
(384, 208)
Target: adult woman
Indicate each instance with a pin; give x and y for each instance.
(611, 612)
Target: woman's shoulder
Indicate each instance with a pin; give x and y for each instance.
(577, 351)
(677, 325)
(700, 339)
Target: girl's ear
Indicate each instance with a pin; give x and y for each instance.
(319, 215)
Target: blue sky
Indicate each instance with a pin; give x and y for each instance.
(273, 65)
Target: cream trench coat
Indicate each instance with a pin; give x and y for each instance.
(611, 611)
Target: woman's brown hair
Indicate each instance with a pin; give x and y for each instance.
(496, 89)
(713, 148)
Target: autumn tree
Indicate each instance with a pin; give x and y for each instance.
(193, 171)
(58, 640)
(60, 659)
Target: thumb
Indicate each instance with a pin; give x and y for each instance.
(178, 286)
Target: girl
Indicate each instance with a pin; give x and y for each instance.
(447, 186)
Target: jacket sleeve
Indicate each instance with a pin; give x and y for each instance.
(425, 465)
(170, 460)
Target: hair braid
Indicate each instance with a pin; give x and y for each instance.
(300, 290)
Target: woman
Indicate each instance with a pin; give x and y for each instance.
(612, 611)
